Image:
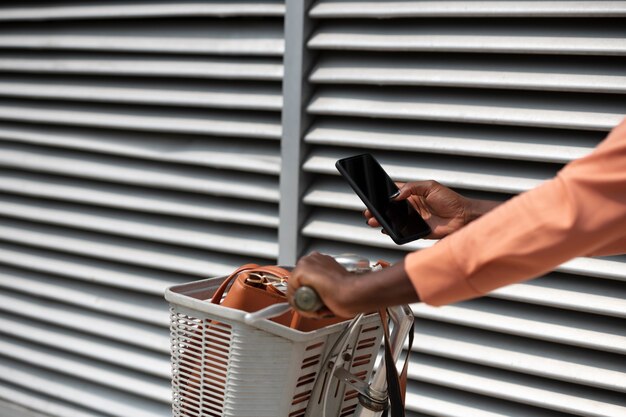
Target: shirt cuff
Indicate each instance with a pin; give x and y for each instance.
(436, 276)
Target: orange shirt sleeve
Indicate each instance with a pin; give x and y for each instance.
(581, 211)
(614, 248)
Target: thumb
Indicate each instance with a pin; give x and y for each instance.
(419, 188)
(402, 194)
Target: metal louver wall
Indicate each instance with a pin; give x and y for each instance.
(490, 98)
(139, 147)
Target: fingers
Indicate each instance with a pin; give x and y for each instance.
(328, 278)
(309, 271)
(372, 222)
(295, 280)
(311, 263)
(370, 219)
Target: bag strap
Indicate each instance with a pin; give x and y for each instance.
(405, 368)
(275, 270)
(394, 386)
(217, 295)
(403, 375)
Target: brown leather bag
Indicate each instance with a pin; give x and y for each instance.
(249, 293)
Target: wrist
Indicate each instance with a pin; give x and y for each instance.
(476, 208)
(346, 296)
(374, 290)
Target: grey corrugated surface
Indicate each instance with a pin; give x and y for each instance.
(498, 142)
(139, 147)
(549, 74)
(132, 9)
(256, 37)
(464, 36)
(369, 8)
(12, 410)
(490, 98)
(211, 67)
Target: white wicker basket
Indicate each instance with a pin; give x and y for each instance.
(223, 367)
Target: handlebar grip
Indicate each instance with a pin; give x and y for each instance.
(307, 299)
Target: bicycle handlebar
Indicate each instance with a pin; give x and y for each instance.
(307, 299)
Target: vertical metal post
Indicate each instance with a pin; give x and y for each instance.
(295, 121)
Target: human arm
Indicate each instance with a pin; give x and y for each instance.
(580, 212)
(615, 247)
(347, 294)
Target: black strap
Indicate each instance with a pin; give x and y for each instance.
(396, 403)
(393, 385)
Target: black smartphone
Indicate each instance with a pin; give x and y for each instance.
(372, 184)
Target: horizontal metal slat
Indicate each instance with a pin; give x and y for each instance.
(194, 121)
(89, 322)
(556, 38)
(330, 9)
(145, 66)
(83, 393)
(493, 108)
(129, 382)
(32, 401)
(176, 259)
(144, 9)
(518, 73)
(138, 173)
(126, 277)
(218, 237)
(161, 93)
(514, 387)
(138, 199)
(461, 173)
(349, 228)
(606, 267)
(103, 350)
(182, 37)
(334, 247)
(528, 321)
(526, 356)
(441, 401)
(329, 193)
(588, 295)
(248, 155)
(136, 307)
(476, 141)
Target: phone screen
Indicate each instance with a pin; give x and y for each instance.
(370, 181)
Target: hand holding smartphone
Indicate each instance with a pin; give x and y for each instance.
(372, 184)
